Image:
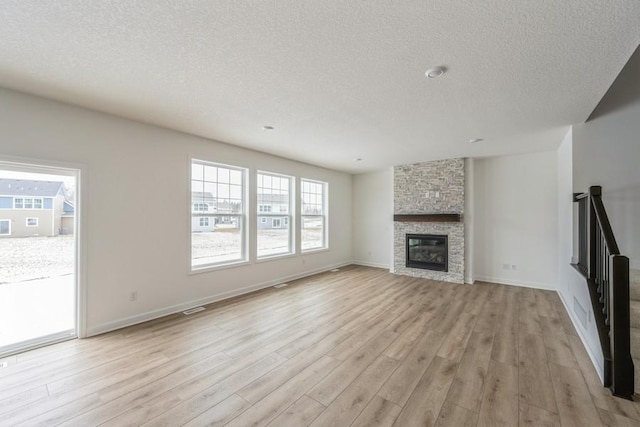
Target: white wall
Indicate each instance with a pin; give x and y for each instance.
(373, 218)
(606, 152)
(572, 287)
(136, 196)
(515, 219)
(469, 220)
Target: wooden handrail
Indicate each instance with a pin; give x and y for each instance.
(605, 226)
(607, 274)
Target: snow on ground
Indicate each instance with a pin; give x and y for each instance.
(29, 258)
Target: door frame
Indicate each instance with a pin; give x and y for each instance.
(79, 172)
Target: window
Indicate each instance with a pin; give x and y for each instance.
(27, 203)
(200, 207)
(314, 215)
(274, 201)
(32, 222)
(5, 227)
(222, 189)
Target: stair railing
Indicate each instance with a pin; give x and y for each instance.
(607, 274)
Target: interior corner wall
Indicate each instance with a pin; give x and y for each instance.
(515, 220)
(469, 221)
(135, 187)
(373, 218)
(606, 152)
(572, 286)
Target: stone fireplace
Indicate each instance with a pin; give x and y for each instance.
(429, 201)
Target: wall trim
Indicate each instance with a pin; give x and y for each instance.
(155, 314)
(372, 264)
(577, 327)
(521, 283)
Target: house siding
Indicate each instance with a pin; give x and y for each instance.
(18, 220)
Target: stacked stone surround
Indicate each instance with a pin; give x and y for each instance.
(414, 192)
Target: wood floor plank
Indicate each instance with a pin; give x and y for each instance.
(455, 342)
(348, 405)
(221, 413)
(456, 416)
(532, 416)
(468, 384)
(575, 405)
(602, 397)
(301, 413)
(423, 407)
(331, 386)
(614, 420)
(264, 411)
(189, 408)
(556, 343)
(404, 380)
(534, 376)
(378, 413)
(499, 406)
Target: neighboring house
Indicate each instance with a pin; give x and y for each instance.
(202, 204)
(269, 206)
(34, 208)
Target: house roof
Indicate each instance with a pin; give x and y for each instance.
(273, 198)
(25, 187)
(337, 81)
(200, 197)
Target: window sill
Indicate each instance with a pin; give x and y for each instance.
(314, 250)
(209, 268)
(275, 257)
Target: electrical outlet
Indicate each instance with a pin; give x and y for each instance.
(514, 267)
(506, 267)
(134, 296)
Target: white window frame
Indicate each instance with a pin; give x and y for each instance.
(9, 222)
(240, 217)
(32, 203)
(200, 207)
(266, 211)
(324, 215)
(204, 221)
(26, 222)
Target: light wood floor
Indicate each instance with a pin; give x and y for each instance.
(358, 347)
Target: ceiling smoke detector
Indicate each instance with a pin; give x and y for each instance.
(268, 128)
(435, 72)
(473, 141)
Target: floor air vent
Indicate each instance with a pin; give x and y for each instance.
(193, 310)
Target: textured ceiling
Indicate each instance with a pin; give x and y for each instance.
(337, 79)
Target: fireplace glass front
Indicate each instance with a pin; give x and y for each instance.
(427, 251)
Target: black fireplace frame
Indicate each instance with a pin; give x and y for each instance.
(428, 265)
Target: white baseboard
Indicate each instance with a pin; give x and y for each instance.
(577, 327)
(469, 280)
(154, 314)
(372, 264)
(521, 283)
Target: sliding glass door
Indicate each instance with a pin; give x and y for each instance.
(38, 256)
